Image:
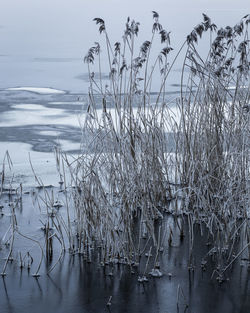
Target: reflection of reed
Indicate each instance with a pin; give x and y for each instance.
(39, 287)
(9, 305)
(56, 287)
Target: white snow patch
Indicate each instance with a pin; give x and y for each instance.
(39, 90)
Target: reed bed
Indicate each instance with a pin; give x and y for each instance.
(145, 155)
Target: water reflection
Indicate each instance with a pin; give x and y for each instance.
(78, 286)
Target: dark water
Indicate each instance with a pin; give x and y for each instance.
(79, 287)
(75, 285)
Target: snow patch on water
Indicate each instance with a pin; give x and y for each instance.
(39, 90)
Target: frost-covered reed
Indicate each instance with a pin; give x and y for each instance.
(139, 155)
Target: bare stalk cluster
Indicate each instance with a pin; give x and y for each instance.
(140, 152)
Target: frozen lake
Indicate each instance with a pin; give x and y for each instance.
(43, 100)
(33, 121)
